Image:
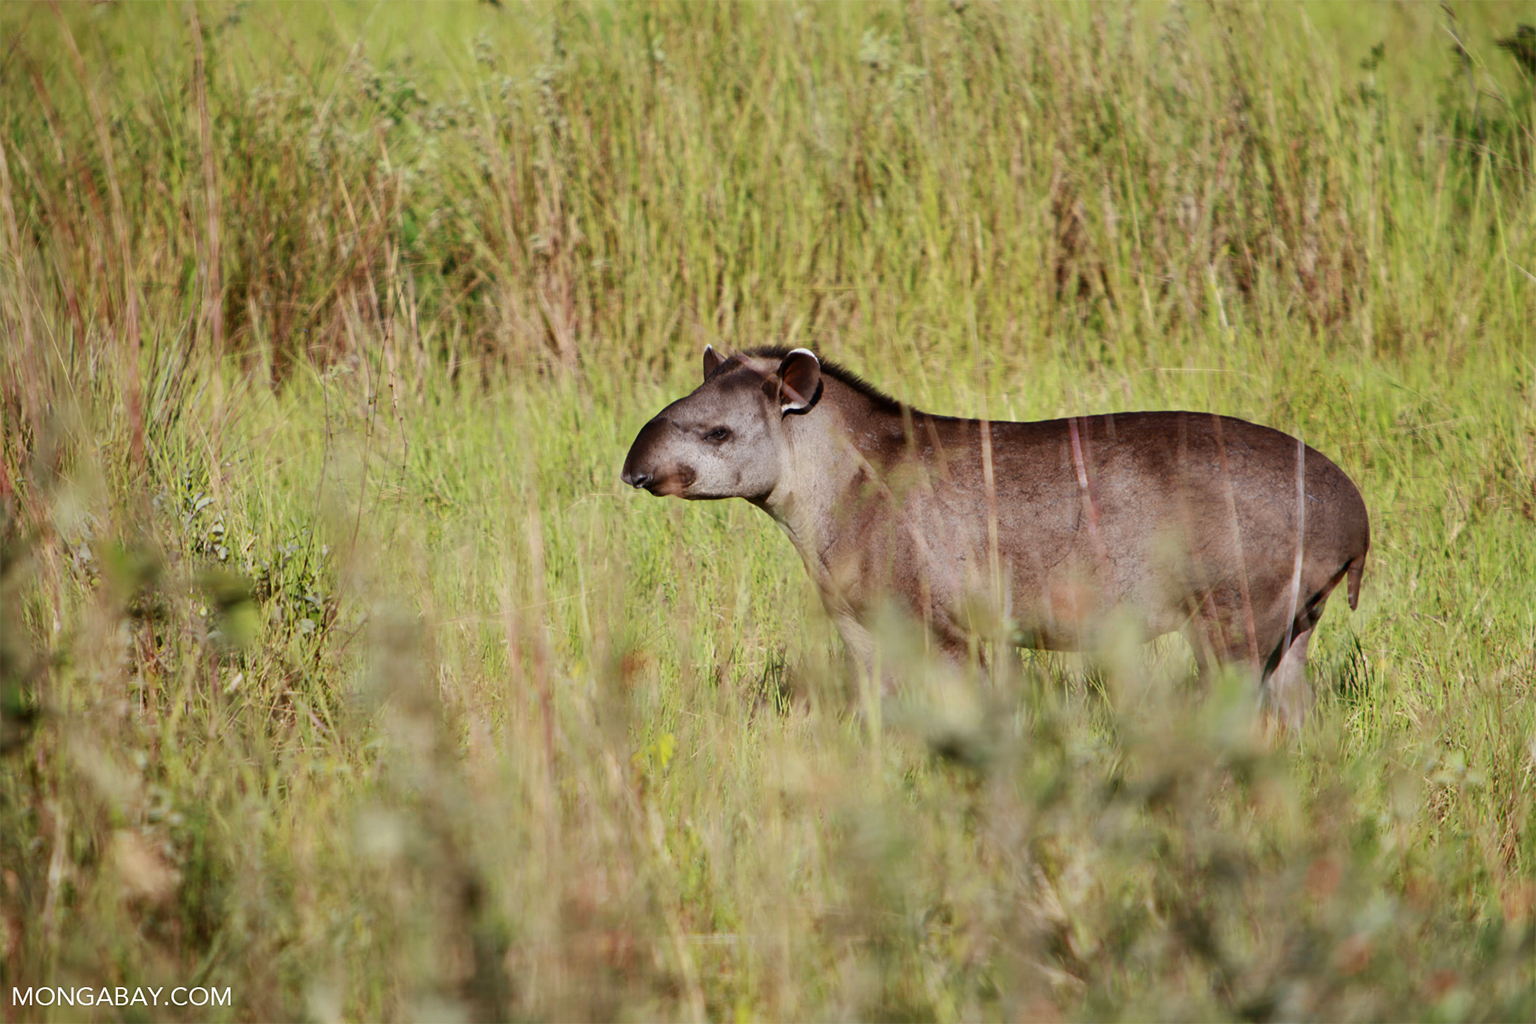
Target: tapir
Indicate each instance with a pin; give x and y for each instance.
(1231, 532)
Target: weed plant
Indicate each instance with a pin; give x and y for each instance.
(337, 670)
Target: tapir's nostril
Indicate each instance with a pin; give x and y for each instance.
(637, 478)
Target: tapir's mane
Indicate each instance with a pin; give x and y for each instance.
(881, 401)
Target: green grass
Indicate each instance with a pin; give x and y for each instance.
(337, 669)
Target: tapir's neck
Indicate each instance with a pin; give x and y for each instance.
(830, 454)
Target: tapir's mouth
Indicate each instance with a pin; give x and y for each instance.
(674, 484)
(662, 485)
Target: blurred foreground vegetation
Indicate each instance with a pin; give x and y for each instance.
(337, 671)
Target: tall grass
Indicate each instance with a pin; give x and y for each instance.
(337, 671)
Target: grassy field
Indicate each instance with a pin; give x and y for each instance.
(338, 671)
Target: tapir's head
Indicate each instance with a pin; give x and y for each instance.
(727, 439)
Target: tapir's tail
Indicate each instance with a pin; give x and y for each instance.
(1356, 569)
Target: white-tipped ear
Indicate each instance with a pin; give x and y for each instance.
(712, 361)
(799, 381)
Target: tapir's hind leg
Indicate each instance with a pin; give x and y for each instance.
(1287, 693)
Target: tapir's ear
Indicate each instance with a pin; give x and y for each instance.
(799, 381)
(712, 360)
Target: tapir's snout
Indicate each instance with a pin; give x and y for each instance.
(640, 466)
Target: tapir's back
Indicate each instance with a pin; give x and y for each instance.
(1162, 510)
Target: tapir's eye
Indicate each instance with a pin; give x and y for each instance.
(718, 435)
